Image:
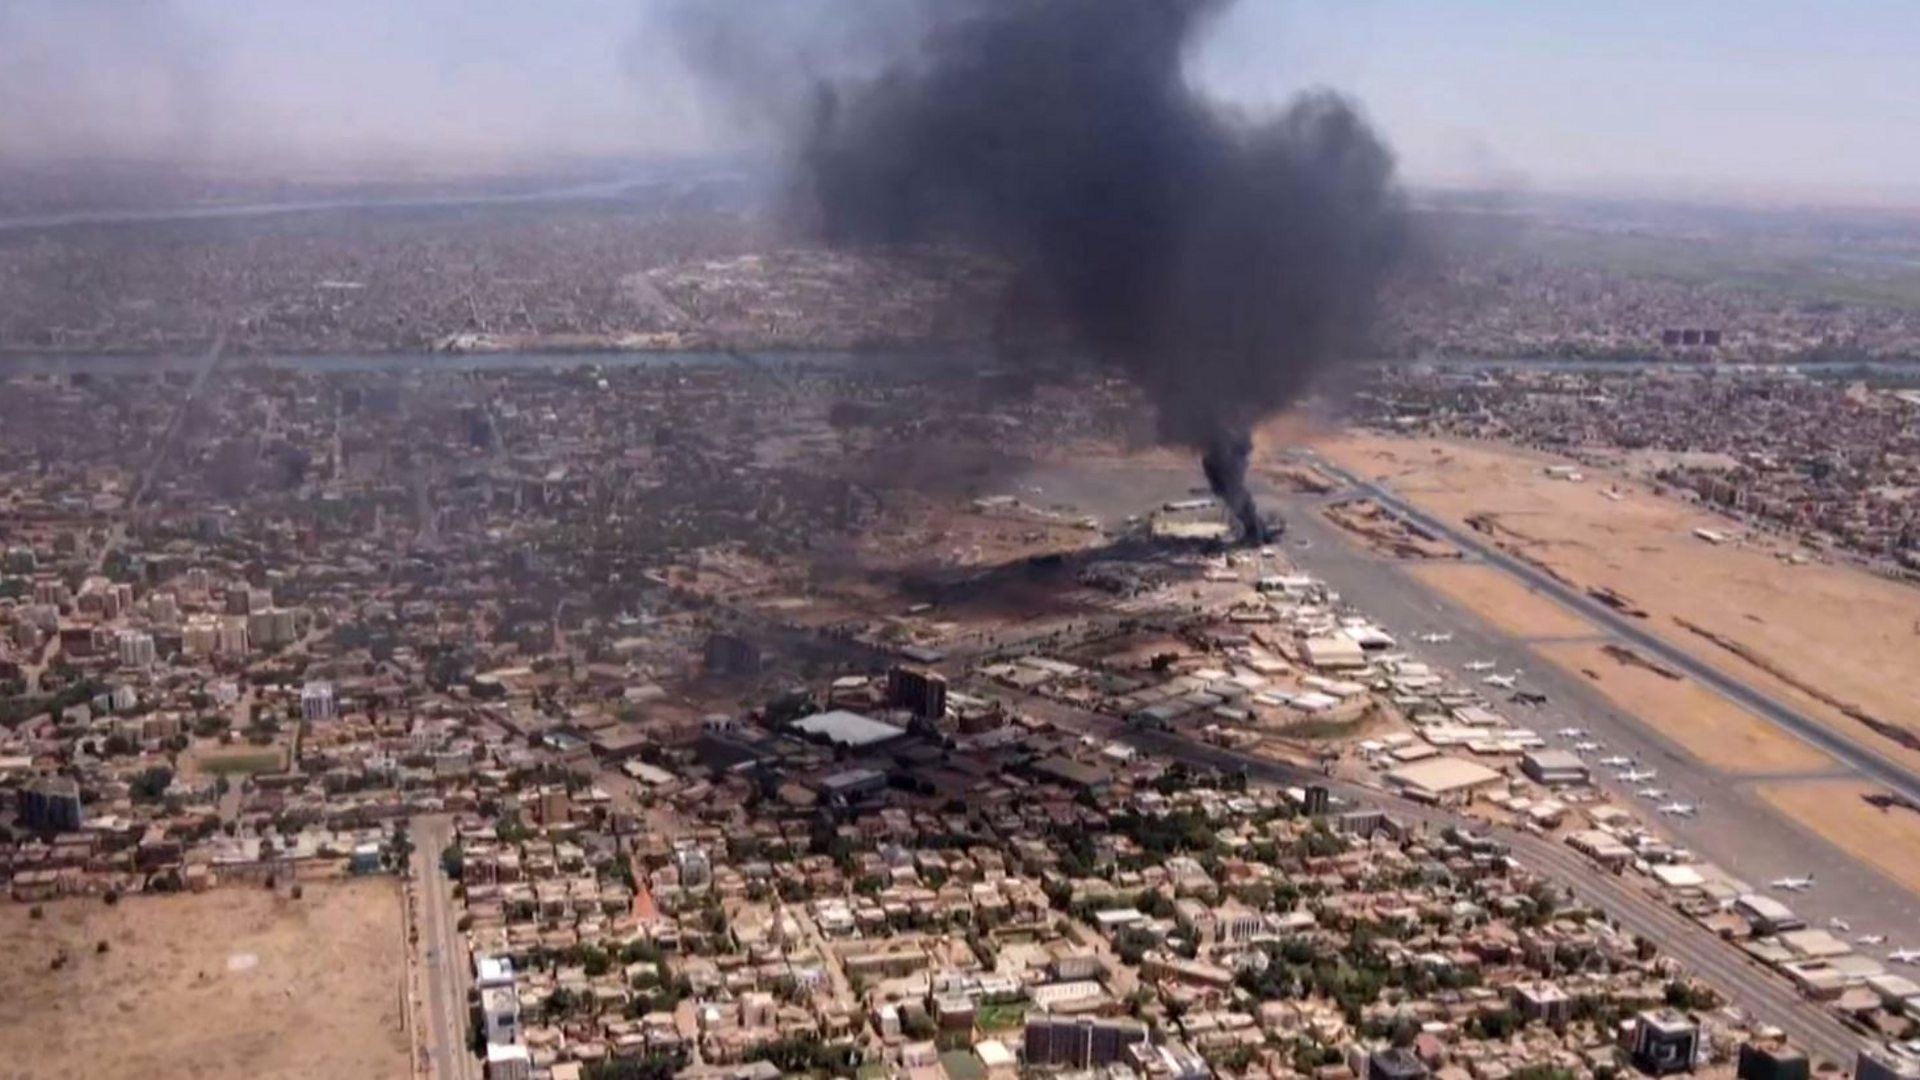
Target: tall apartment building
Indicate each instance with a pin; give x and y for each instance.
(136, 649)
(921, 692)
(51, 804)
(317, 702)
(1079, 1042)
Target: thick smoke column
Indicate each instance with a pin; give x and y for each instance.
(1224, 461)
(1217, 259)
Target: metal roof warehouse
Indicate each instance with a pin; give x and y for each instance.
(849, 729)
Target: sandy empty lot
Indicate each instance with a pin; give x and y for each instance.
(1708, 726)
(210, 758)
(1884, 839)
(1840, 633)
(237, 982)
(1502, 600)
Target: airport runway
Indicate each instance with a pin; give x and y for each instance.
(1864, 761)
(1734, 828)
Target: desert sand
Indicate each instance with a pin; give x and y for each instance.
(1836, 811)
(237, 982)
(1709, 727)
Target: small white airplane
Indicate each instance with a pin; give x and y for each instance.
(1572, 733)
(1587, 747)
(1793, 884)
(1839, 924)
(1872, 939)
(1680, 809)
(1636, 776)
(1478, 665)
(1436, 639)
(1617, 761)
(1504, 682)
(1905, 956)
(1652, 793)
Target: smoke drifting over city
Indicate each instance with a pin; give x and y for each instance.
(1220, 260)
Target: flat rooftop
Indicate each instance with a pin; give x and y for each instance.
(1443, 776)
(843, 728)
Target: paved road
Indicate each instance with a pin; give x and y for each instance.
(443, 953)
(1763, 994)
(1863, 760)
(208, 365)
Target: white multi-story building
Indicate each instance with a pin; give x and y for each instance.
(509, 1061)
(500, 1008)
(232, 639)
(201, 637)
(163, 608)
(696, 869)
(1239, 924)
(317, 702)
(136, 649)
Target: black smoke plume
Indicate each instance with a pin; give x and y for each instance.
(1217, 258)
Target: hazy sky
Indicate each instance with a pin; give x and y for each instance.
(1802, 96)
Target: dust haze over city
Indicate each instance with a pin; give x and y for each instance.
(978, 538)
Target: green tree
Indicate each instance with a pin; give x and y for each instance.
(658, 1066)
(596, 961)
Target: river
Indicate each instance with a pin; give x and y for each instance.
(15, 364)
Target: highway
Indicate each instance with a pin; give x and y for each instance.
(1862, 759)
(1764, 995)
(442, 955)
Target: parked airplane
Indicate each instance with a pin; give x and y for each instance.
(1587, 747)
(1504, 682)
(1680, 809)
(1479, 665)
(1527, 697)
(1652, 793)
(1436, 639)
(1905, 956)
(1793, 884)
(1572, 733)
(1637, 776)
(1839, 924)
(1872, 939)
(1617, 761)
